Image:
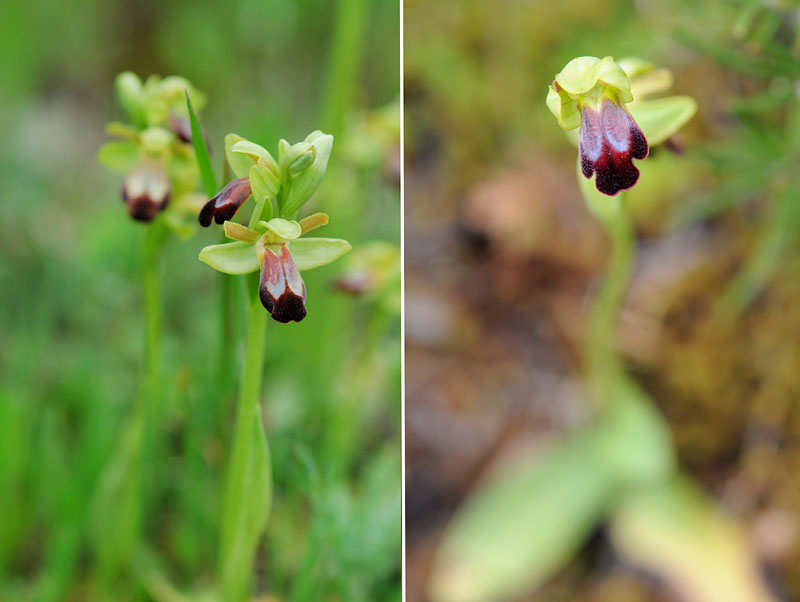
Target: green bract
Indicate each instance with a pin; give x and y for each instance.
(586, 80)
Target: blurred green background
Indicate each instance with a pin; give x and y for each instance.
(71, 325)
(502, 260)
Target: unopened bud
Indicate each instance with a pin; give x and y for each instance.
(298, 158)
(131, 96)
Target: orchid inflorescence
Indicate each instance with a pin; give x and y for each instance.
(607, 100)
(270, 244)
(154, 151)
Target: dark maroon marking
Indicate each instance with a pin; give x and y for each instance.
(288, 307)
(278, 274)
(226, 203)
(144, 207)
(181, 127)
(609, 141)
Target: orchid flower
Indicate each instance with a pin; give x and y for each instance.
(609, 101)
(590, 93)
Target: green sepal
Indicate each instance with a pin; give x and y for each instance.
(582, 74)
(240, 164)
(309, 253)
(231, 257)
(564, 108)
(661, 118)
(120, 156)
(254, 151)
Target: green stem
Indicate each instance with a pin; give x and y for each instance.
(603, 364)
(119, 505)
(344, 62)
(229, 317)
(153, 312)
(245, 504)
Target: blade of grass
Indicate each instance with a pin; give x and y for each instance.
(201, 152)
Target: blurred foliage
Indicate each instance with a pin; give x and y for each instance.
(499, 244)
(71, 324)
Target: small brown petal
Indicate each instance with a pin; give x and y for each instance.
(181, 127)
(226, 203)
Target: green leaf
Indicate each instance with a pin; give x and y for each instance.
(661, 118)
(246, 514)
(120, 156)
(201, 152)
(285, 228)
(231, 258)
(521, 525)
(672, 530)
(307, 181)
(311, 253)
(633, 439)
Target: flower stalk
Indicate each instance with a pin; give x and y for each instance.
(248, 483)
(604, 367)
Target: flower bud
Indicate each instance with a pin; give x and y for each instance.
(131, 96)
(281, 288)
(226, 203)
(306, 181)
(146, 191)
(298, 158)
(264, 181)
